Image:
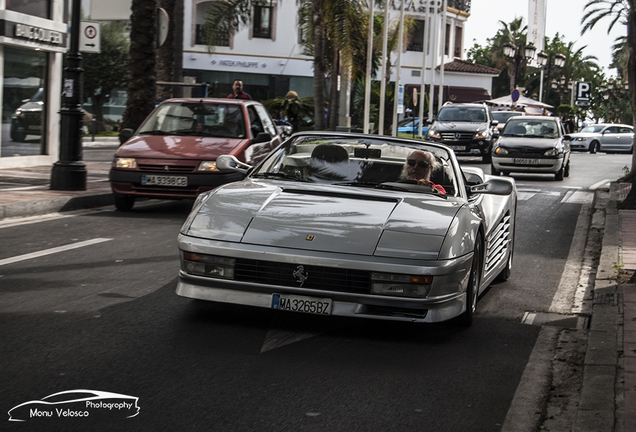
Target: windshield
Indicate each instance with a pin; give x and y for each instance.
(528, 127)
(199, 119)
(462, 114)
(592, 129)
(502, 116)
(354, 162)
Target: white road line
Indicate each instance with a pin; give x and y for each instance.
(599, 184)
(53, 250)
(578, 197)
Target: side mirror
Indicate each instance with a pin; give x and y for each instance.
(494, 123)
(567, 137)
(492, 187)
(262, 137)
(231, 163)
(125, 135)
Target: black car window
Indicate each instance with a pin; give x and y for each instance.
(611, 130)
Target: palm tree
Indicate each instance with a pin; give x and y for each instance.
(515, 33)
(619, 12)
(143, 59)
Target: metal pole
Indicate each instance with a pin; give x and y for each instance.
(397, 71)
(440, 99)
(367, 84)
(433, 61)
(424, 64)
(385, 38)
(69, 173)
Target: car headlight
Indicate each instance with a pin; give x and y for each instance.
(482, 135)
(207, 166)
(432, 133)
(208, 265)
(501, 151)
(400, 285)
(581, 139)
(552, 152)
(127, 163)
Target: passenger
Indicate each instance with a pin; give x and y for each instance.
(418, 167)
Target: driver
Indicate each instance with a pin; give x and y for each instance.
(418, 167)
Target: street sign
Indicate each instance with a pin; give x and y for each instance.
(400, 107)
(89, 37)
(515, 95)
(583, 90)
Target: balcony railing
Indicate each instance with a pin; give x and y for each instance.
(462, 5)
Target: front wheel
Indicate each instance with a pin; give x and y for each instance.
(124, 203)
(566, 172)
(487, 158)
(593, 147)
(559, 174)
(472, 290)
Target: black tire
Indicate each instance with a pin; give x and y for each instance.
(559, 174)
(593, 147)
(472, 290)
(493, 170)
(124, 203)
(566, 172)
(487, 158)
(18, 134)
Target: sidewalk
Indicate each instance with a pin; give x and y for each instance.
(608, 390)
(26, 192)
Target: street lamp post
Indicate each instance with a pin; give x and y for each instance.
(69, 173)
(512, 53)
(546, 62)
(613, 94)
(562, 88)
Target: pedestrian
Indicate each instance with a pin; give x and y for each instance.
(569, 126)
(237, 91)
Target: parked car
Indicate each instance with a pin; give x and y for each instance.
(604, 137)
(411, 126)
(503, 116)
(469, 129)
(173, 153)
(326, 226)
(532, 144)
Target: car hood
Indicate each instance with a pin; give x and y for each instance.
(459, 126)
(176, 146)
(521, 142)
(325, 218)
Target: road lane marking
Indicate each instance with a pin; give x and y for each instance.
(578, 197)
(53, 250)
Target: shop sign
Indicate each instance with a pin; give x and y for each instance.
(38, 34)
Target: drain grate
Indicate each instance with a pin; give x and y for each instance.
(612, 299)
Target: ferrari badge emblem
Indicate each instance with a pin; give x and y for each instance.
(300, 274)
(309, 238)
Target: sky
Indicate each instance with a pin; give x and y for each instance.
(562, 16)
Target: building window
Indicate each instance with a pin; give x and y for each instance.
(416, 42)
(458, 42)
(447, 40)
(24, 102)
(262, 24)
(38, 8)
(201, 36)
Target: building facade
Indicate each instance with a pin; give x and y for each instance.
(33, 38)
(268, 55)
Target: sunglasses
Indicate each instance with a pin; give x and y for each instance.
(421, 164)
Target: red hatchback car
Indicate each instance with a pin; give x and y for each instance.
(173, 153)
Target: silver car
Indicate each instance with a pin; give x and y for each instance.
(532, 144)
(326, 225)
(604, 137)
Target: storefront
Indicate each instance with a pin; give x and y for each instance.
(33, 38)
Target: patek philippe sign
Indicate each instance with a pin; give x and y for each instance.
(240, 64)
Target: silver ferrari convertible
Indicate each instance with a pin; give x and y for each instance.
(337, 224)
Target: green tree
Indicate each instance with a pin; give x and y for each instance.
(291, 107)
(108, 69)
(619, 12)
(142, 64)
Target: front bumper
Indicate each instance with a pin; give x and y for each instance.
(128, 182)
(446, 299)
(538, 165)
(468, 148)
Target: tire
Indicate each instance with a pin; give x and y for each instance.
(472, 290)
(124, 203)
(593, 147)
(18, 134)
(493, 170)
(559, 174)
(487, 158)
(566, 172)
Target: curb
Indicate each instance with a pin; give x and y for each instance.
(600, 403)
(55, 205)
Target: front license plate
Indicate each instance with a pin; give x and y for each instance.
(527, 161)
(311, 305)
(458, 148)
(157, 180)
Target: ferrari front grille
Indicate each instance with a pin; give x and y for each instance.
(305, 276)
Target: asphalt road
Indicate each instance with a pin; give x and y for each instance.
(104, 316)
